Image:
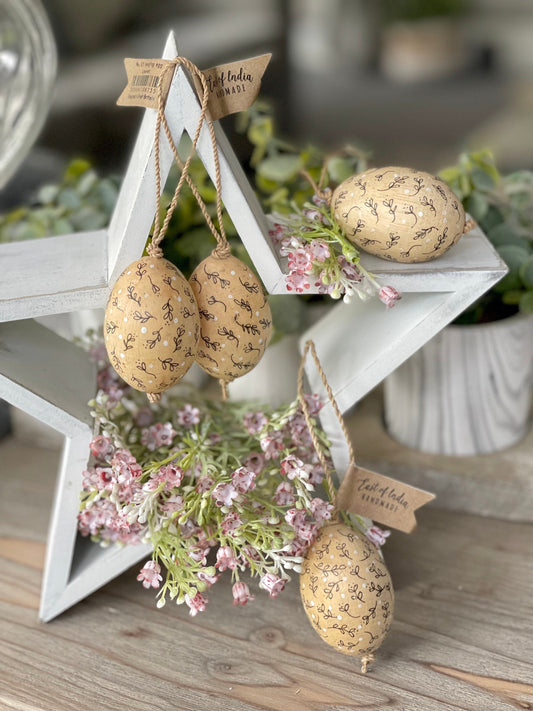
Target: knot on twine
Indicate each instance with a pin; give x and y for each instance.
(153, 397)
(222, 250)
(154, 250)
(365, 661)
(470, 224)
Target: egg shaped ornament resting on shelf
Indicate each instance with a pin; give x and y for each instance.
(151, 326)
(399, 214)
(235, 317)
(347, 591)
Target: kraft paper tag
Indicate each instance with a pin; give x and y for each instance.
(232, 87)
(144, 76)
(381, 498)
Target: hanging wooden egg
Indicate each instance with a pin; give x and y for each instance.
(400, 214)
(151, 326)
(235, 317)
(347, 591)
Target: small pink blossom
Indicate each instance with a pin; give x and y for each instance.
(295, 517)
(224, 494)
(205, 484)
(158, 435)
(204, 577)
(312, 215)
(198, 554)
(241, 594)
(272, 584)
(101, 447)
(196, 604)
(316, 475)
(284, 495)
(243, 480)
(98, 354)
(319, 250)
(276, 233)
(377, 536)
(249, 553)
(349, 270)
(226, 559)
(215, 438)
(254, 422)
(189, 528)
(98, 478)
(306, 531)
(230, 523)
(289, 244)
(321, 509)
(114, 395)
(294, 468)
(255, 461)
(150, 574)
(126, 467)
(297, 282)
(322, 200)
(389, 296)
(172, 504)
(297, 547)
(299, 431)
(314, 404)
(105, 378)
(272, 445)
(144, 417)
(172, 474)
(301, 261)
(188, 416)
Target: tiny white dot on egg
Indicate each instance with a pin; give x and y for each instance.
(403, 222)
(146, 296)
(427, 239)
(120, 336)
(329, 608)
(379, 622)
(406, 192)
(179, 298)
(359, 605)
(174, 278)
(339, 617)
(364, 585)
(215, 369)
(331, 556)
(257, 313)
(120, 291)
(205, 282)
(343, 595)
(351, 194)
(125, 319)
(324, 580)
(359, 627)
(182, 364)
(345, 578)
(151, 266)
(420, 214)
(312, 603)
(165, 343)
(249, 274)
(232, 272)
(330, 535)
(230, 296)
(190, 333)
(151, 365)
(143, 329)
(128, 272)
(313, 615)
(395, 175)
(122, 355)
(360, 639)
(223, 345)
(445, 220)
(324, 629)
(150, 381)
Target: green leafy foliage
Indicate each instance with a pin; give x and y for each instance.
(503, 206)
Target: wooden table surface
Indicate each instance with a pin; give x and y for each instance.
(462, 637)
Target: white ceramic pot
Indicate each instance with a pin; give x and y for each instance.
(468, 391)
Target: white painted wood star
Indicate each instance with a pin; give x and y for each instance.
(52, 379)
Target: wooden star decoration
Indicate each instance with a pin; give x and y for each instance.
(52, 379)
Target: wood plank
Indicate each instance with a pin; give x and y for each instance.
(462, 637)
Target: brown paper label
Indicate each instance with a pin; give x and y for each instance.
(144, 77)
(381, 498)
(233, 87)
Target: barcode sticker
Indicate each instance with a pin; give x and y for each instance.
(144, 80)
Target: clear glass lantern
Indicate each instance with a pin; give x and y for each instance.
(28, 63)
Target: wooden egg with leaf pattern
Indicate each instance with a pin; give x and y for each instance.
(399, 214)
(151, 326)
(347, 591)
(235, 317)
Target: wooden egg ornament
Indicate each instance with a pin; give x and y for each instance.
(235, 317)
(151, 326)
(399, 214)
(347, 591)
